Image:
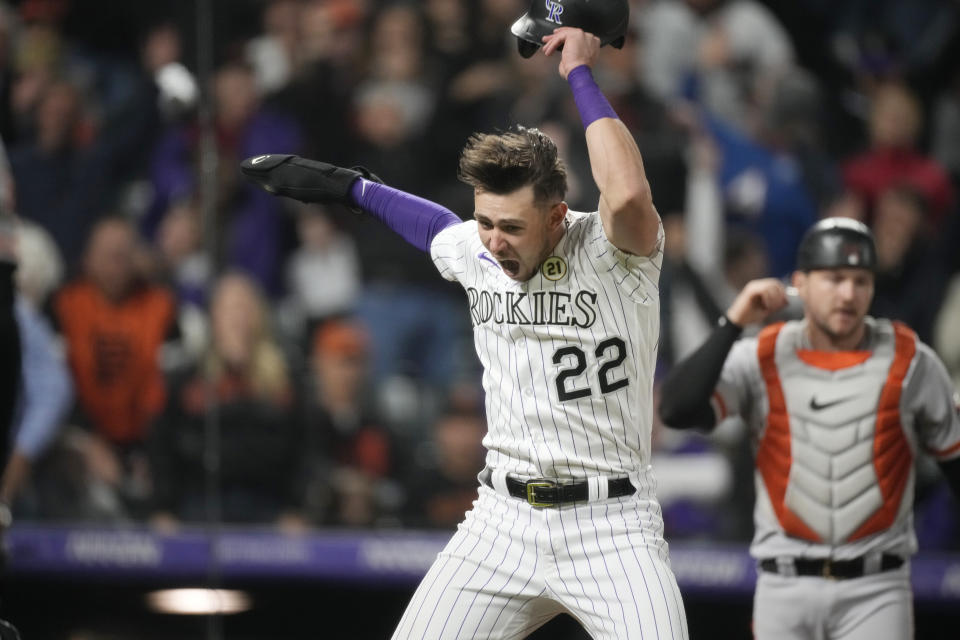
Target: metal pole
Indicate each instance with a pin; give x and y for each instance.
(208, 211)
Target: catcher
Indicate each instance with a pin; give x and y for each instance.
(839, 405)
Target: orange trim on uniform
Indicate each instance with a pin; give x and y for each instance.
(773, 453)
(944, 453)
(721, 405)
(892, 457)
(833, 360)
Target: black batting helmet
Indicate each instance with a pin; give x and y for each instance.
(606, 19)
(835, 243)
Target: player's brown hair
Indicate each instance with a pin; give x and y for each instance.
(504, 162)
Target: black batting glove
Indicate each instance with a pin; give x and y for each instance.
(304, 180)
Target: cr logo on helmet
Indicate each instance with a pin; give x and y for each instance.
(606, 19)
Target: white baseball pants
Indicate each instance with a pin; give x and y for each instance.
(511, 567)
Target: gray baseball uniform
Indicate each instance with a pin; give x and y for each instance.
(836, 436)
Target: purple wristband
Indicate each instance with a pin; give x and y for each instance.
(417, 220)
(591, 103)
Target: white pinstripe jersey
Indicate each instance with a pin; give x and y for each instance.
(568, 356)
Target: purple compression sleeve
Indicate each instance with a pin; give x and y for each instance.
(417, 220)
(591, 103)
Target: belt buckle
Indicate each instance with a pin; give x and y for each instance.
(827, 570)
(532, 486)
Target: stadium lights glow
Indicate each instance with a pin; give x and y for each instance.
(197, 602)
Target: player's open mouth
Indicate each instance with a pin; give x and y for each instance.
(510, 267)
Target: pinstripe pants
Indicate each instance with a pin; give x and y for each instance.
(511, 567)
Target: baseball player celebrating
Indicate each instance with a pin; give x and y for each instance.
(565, 313)
(839, 405)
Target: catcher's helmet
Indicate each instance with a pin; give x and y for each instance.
(606, 19)
(835, 243)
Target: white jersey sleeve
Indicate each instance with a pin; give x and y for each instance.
(449, 249)
(637, 276)
(739, 385)
(929, 395)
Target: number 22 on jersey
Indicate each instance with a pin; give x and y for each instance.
(571, 382)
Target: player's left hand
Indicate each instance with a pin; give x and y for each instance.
(577, 47)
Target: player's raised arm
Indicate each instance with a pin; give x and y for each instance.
(686, 391)
(415, 219)
(626, 206)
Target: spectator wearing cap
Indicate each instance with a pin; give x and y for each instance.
(349, 453)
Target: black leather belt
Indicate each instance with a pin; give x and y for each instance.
(827, 568)
(541, 492)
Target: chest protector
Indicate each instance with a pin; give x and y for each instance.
(833, 456)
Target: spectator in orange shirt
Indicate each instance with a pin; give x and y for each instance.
(114, 324)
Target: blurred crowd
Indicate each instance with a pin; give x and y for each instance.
(250, 359)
